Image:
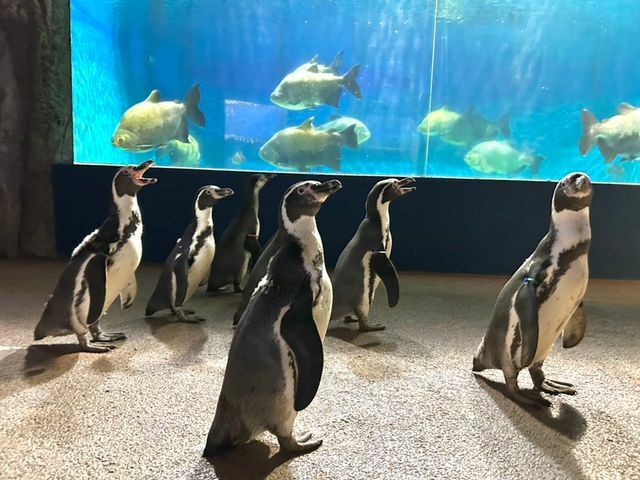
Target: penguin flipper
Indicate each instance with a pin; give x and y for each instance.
(252, 245)
(574, 331)
(526, 307)
(95, 273)
(181, 272)
(129, 292)
(301, 334)
(382, 266)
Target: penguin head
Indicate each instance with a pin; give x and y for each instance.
(129, 180)
(209, 195)
(386, 191)
(306, 198)
(573, 192)
(259, 180)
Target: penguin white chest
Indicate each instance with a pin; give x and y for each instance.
(199, 269)
(323, 294)
(556, 311)
(123, 266)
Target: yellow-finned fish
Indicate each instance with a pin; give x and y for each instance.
(494, 157)
(153, 122)
(179, 154)
(618, 135)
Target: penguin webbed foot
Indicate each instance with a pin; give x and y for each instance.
(237, 288)
(371, 327)
(350, 319)
(91, 347)
(301, 444)
(556, 387)
(181, 316)
(528, 399)
(109, 337)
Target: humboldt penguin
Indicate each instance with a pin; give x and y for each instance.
(366, 258)
(188, 264)
(276, 357)
(543, 298)
(101, 268)
(239, 243)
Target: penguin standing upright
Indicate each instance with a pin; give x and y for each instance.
(239, 242)
(276, 357)
(188, 264)
(543, 299)
(101, 268)
(365, 260)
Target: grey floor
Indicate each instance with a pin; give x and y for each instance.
(401, 403)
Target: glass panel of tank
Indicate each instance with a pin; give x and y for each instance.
(505, 89)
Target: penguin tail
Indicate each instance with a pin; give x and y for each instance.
(191, 101)
(221, 438)
(478, 359)
(586, 140)
(41, 329)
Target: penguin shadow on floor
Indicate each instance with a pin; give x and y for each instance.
(253, 461)
(561, 417)
(35, 365)
(184, 339)
(367, 340)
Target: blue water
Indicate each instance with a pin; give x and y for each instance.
(541, 61)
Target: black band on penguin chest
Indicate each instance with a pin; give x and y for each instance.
(565, 260)
(127, 232)
(200, 241)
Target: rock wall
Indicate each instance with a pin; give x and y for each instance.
(35, 120)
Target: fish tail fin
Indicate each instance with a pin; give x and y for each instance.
(503, 125)
(333, 163)
(586, 140)
(337, 61)
(534, 168)
(349, 137)
(349, 79)
(191, 101)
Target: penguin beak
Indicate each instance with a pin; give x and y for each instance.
(138, 174)
(406, 185)
(224, 192)
(329, 188)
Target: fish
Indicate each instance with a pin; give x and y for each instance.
(304, 146)
(472, 128)
(333, 68)
(178, 154)
(338, 123)
(302, 89)
(238, 158)
(153, 122)
(438, 122)
(499, 157)
(618, 135)
(615, 171)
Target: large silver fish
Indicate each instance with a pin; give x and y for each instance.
(618, 135)
(472, 128)
(339, 123)
(310, 88)
(494, 157)
(304, 146)
(179, 154)
(153, 123)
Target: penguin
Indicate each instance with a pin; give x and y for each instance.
(258, 271)
(366, 258)
(543, 298)
(188, 264)
(239, 243)
(276, 356)
(101, 268)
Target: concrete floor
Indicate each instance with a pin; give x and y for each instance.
(401, 403)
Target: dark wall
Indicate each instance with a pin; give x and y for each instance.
(458, 226)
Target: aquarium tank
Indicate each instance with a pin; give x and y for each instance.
(500, 89)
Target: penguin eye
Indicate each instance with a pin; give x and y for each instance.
(301, 190)
(126, 172)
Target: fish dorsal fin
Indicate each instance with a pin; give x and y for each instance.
(154, 96)
(625, 108)
(313, 68)
(307, 124)
(314, 59)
